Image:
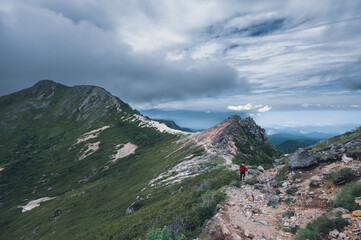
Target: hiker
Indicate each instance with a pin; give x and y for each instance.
(242, 169)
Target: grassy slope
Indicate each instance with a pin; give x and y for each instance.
(289, 146)
(255, 153)
(339, 139)
(40, 154)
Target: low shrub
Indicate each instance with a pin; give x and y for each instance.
(252, 181)
(342, 176)
(235, 183)
(162, 234)
(320, 227)
(282, 173)
(346, 196)
(298, 175)
(289, 200)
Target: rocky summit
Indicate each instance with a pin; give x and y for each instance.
(79, 163)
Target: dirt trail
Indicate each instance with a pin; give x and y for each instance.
(247, 214)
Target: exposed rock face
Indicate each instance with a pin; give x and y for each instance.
(301, 159)
(221, 138)
(216, 233)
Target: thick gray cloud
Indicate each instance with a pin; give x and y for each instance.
(283, 52)
(39, 43)
(349, 75)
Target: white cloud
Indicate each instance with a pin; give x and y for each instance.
(249, 106)
(174, 56)
(355, 106)
(246, 107)
(205, 51)
(264, 109)
(305, 105)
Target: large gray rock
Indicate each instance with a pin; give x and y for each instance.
(253, 172)
(273, 200)
(301, 159)
(133, 207)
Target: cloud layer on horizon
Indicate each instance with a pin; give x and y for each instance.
(185, 53)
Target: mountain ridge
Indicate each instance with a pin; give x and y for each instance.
(70, 148)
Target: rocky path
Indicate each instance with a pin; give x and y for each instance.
(268, 211)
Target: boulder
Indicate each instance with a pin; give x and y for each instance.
(315, 183)
(55, 214)
(342, 236)
(334, 233)
(259, 186)
(260, 168)
(301, 159)
(273, 200)
(133, 207)
(291, 190)
(356, 213)
(262, 222)
(346, 159)
(253, 172)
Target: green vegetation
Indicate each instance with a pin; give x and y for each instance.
(182, 211)
(252, 181)
(235, 183)
(279, 138)
(346, 196)
(340, 139)
(38, 134)
(162, 234)
(282, 173)
(342, 176)
(289, 200)
(255, 153)
(287, 214)
(298, 175)
(39, 131)
(320, 227)
(289, 146)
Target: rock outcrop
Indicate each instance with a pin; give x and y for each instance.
(301, 159)
(224, 137)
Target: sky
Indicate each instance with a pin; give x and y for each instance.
(277, 61)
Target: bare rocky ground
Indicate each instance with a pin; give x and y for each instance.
(271, 211)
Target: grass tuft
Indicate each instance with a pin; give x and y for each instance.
(346, 196)
(342, 176)
(320, 227)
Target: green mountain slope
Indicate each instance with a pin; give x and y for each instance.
(289, 146)
(279, 138)
(94, 157)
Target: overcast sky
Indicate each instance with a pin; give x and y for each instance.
(248, 56)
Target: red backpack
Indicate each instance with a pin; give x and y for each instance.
(242, 168)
